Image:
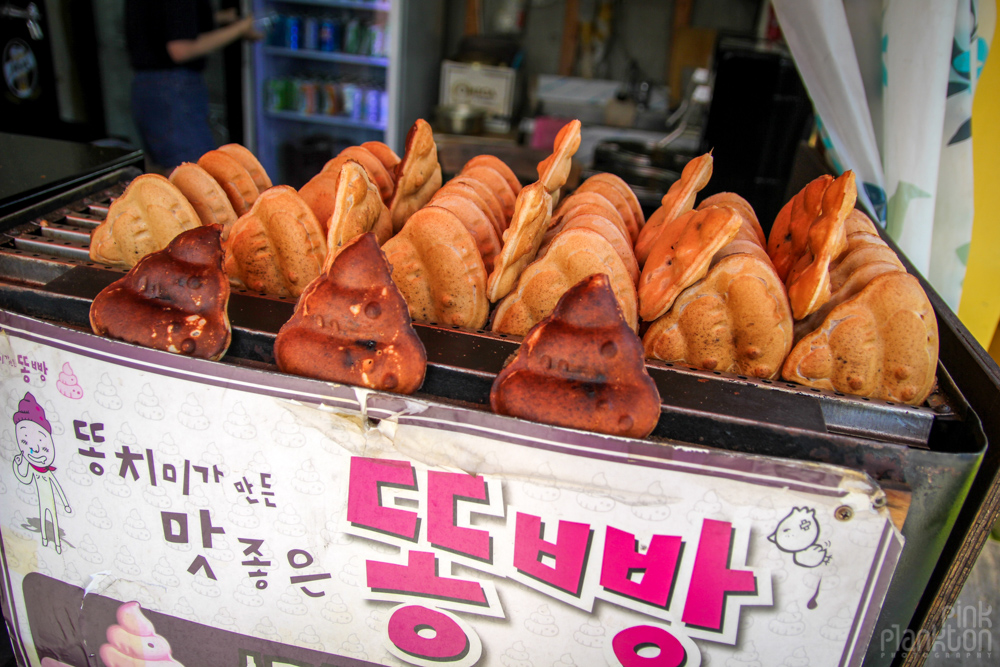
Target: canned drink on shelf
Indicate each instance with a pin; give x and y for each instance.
(293, 32)
(383, 98)
(326, 42)
(352, 36)
(353, 98)
(311, 31)
(277, 94)
(277, 34)
(373, 106)
(306, 96)
(330, 96)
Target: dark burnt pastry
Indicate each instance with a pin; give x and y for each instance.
(581, 367)
(351, 325)
(174, 300)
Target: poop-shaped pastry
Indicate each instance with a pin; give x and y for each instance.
(147, 216)
(438, 269)
(808, 234)
(882, 343)
(581, 367)
(376, 171)
(573, 255)
(235, 180)
(681, 256)
(736, 319)
(351, 325)
(385, 155)
(174, 300)
(497, 184)
(485, 199)
(498, 165)
(613, 234)
(583, 203)
(522, 239)
(553, 171)
(475, 221)
(678, 201)
(278, 247)
(617, 191)
(358, 209)
(249, 162)
(320, 195)
(133, 641)
(418, 175)
(205, 194)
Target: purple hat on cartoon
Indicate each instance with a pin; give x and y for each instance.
(29, 409)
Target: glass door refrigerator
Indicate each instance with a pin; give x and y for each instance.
(333, 73)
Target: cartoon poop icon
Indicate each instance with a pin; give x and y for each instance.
(798, 534)
(788, 623)
(265, 630)
(748, 657)
(516, 656)
(798, 658)
(107, 395)
(68, 384)
(838, 627)
(590, 634)
(238, 424)
(542, 623)
(135, 527)
(566, 660)
(336, 611)
(192, 414)
(148, 405)
(246, 594)
(133, 641)
(307, 480)
(286, 432)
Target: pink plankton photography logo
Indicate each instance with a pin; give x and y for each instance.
(967, 634)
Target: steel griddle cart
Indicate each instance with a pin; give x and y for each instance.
(263, 519)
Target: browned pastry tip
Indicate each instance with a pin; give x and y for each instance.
(235, 180)
(351, 325)
(678, 201)
(553, 171)
(522, 239)
(242, 154)
(174, 299)
(418, 175)
(206, 196)
(581, 367)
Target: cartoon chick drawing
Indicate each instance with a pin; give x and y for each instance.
(798, 534)
(34, 464)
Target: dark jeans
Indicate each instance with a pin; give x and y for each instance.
(170, 109)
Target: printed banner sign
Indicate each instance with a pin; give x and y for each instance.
(183, 512)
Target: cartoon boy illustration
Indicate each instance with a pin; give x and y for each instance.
(34, 463)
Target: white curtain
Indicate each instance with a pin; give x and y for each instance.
(918, 178)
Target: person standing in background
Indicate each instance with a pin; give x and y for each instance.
(167, 44)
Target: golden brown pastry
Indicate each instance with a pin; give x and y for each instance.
(377, 172)
(205, 195)
(278, 247)
(743, 206)
(630, 199)
(173, 299)
(573, 255)
(351, 325)
(497, 165)
(250, 162)
(607, 188)
(584, 203)
(522, 239)
(553, 171)
(144, 219)
(385, 155)
(882, 343)
(235, 180)
(358, 209)
(320, 195)
(475, 221)
(438, 269)
(418, 175)
(681, 256)
(581, 367)
(477, 191)
(678, 200)
(736, 319)
(611, 233)
(807, 235)
(496, 183)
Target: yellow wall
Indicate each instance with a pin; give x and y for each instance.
(979, 309)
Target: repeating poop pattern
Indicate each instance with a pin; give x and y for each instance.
(545, 489)
(798, 658)
(164, 575)
(192, 414)
(789, 622)
(565, 660)
(238, 424)
(307, 480)
(289, 522)
(115, 485)
(353, 648)
(865, 534)
(78, 472)
(516, 656)
(241, 515)
(246, 593)
(225, 620)
(838, 627)
(309, 638)
(291, 603)
(89, 551)
(106, 394)
(542, 622)
(590, 634)
(335, 611)
(156, 496)
(351, 574)
(747, 657)
(376, 620)
(597, 500)
(654, 504)
(68, 384)
(287, 432)
(53, 417)
(183, 609)
(135, 527)
(710, 506)
(205, 587)
(98, 516)
(8, 448)
(265, 630)
(125, 563)
(147, 405)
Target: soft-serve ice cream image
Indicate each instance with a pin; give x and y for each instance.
(68, 384)
(133, 641)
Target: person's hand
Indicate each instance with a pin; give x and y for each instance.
(226, 16)
(248, 30)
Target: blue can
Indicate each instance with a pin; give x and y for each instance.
(311, 29)
(326, 38)
(293, 32)
(373, 105)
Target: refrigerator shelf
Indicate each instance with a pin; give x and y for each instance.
(372, 5)
(339, 121)
(328, 56)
